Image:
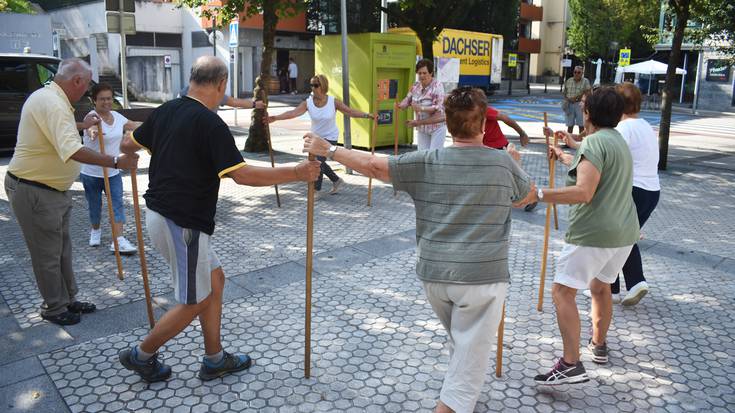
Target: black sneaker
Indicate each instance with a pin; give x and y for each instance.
(230, 363)
(599, 352)
(151, 370)
(563, 374)
(67, 318)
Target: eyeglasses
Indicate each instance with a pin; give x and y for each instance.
(576, 73)
(314, 85)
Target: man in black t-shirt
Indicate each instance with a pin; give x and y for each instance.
(191, 150)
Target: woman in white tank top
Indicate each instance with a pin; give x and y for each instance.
(322, 110)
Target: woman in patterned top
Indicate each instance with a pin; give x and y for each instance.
(426, 98)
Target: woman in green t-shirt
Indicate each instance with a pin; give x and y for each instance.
(603, 227)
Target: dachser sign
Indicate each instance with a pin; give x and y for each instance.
(465, 46)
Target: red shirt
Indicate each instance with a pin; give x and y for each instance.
(493, 136)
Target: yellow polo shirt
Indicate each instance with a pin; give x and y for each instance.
(47, 138)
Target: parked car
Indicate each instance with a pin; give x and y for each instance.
(20, 75)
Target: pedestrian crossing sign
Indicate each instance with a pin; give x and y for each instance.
(512, 59)
(624, 59)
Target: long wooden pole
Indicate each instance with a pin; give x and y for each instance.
(395, 135)
(273, 162)
(141, 249)
(372, 150)
(499, 353)
(551, 179)
(545, 252)
(109, 203)
(309, 264)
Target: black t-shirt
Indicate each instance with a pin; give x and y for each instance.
(191, 150)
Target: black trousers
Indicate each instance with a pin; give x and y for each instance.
(325, 170)
(645, 203)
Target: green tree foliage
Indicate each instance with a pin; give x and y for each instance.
(362, 15)
(428, 18)
(599, 27)
(716, 28)
(272, 11)
(492, 16)
(16, 6)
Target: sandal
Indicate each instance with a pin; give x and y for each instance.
(81, 307)
(66, 318)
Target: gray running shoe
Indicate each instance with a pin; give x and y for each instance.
(230, 363)
(563, 374)
(151, 370)
(599, 352)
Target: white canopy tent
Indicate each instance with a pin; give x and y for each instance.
(649, 67)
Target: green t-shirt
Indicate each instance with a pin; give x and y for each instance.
(463, 198)
(610, 219)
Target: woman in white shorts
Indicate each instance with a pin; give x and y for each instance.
(603, 226)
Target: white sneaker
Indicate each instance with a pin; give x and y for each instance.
(335, 187)
(636, 293)
(125, 246)
(95, 236)
(615, 297)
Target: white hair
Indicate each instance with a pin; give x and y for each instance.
(68, 68)
(578, 67)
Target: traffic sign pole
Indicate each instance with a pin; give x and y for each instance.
(234, 46)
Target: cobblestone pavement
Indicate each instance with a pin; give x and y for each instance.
(377, 345)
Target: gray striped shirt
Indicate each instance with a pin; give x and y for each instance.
(463, 198)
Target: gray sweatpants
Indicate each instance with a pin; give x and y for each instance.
(470, 314)
(43, 216)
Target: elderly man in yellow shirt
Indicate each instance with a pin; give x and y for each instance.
(45, 164)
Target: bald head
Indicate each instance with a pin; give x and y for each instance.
(73, 78)
(73, 67)
(208, 71)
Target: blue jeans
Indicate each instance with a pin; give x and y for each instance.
(93, 188)
(645, 203)
(325, 170)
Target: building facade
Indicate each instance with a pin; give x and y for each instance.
(167, 41)
(546, 65)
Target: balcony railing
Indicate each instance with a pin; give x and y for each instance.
(532, 13)
(526, 45)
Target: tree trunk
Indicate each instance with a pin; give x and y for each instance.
(427, 45)
(681, 7)
(257, 137)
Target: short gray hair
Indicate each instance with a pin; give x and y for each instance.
(579, 67)
(208, 70)
(68, 68)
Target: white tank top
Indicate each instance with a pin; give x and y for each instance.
(323, 119)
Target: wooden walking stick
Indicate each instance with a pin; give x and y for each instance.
(109, 203)
(372, 146)
(273, 162)
(141, 249)
(545, 252)
(395, 135)
(499, 353)
(309, 264)
(552, 180)
(395, 128)
(551, 176)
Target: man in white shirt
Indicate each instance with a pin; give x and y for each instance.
(293, 73)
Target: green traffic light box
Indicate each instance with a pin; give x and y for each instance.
(373, 57)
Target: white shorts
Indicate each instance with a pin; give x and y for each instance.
(188, 253)
(578, 265)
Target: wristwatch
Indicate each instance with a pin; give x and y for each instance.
(540, 194)
(114, 162)
(331, 151)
